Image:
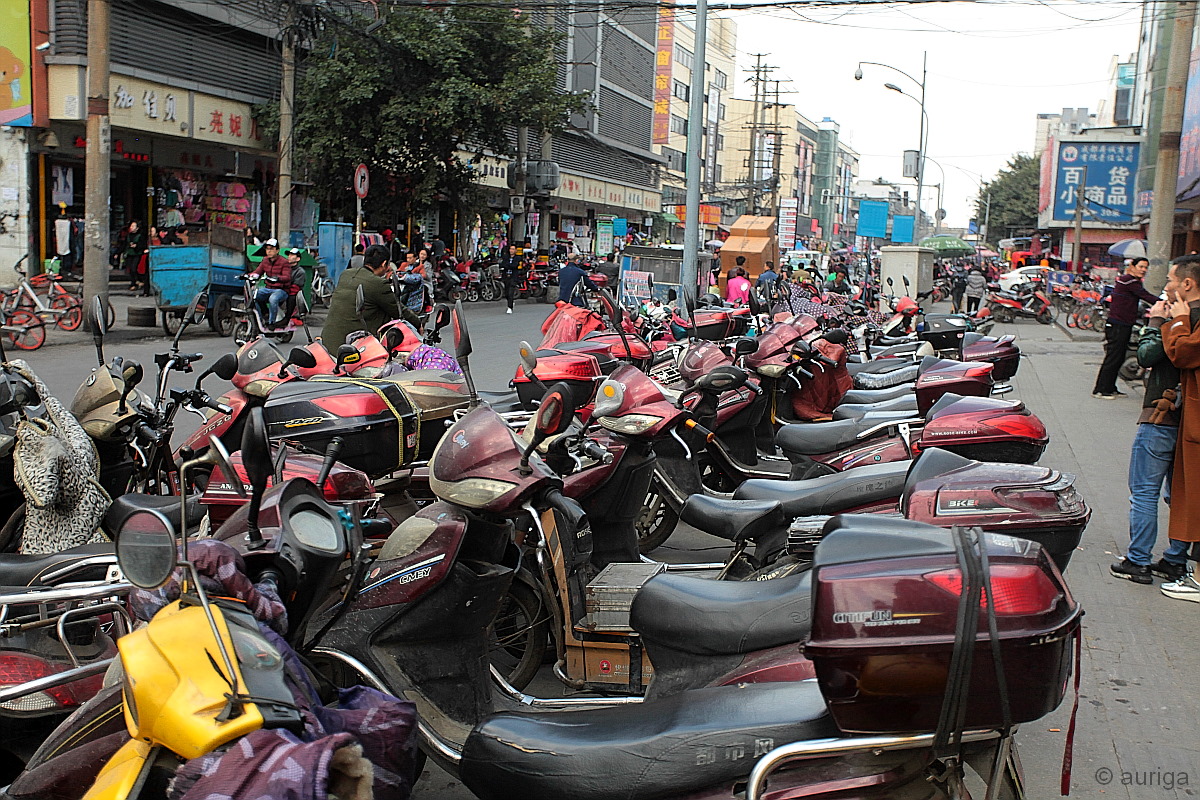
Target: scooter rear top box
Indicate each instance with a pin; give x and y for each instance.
(885, 605)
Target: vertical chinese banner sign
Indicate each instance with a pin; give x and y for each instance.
(663, 54)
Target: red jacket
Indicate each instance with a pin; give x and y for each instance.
(278, 273)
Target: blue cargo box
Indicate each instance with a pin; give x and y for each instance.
(178, 273)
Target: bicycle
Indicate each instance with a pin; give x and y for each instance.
(64, 308)
(25, 329)
(322, 287)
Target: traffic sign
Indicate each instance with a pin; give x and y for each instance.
(362, 181)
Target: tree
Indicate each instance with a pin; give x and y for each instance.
(408, 99)
(1014, 197)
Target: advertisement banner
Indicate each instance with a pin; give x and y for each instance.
(872, 218)
(1099, 176)
(787, 222)
(635, 285)
(664, 52)
(16, 89)
(604, 235)
(902, 228)
(1189, 146)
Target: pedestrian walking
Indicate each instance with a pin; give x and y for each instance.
(975, 288)
(958, 286)
(1122, 313)
(1150, 462)
(1181, 342)
(512, 272)
(569, 277)
(131, 256)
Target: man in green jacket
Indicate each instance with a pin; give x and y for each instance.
(380, 305)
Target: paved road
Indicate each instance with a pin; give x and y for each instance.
(1137, 736)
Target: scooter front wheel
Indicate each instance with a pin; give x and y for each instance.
(243, 330)
(656, 523)
(520, 635)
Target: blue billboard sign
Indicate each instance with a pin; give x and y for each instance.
(872, 218)
(902, 228)
(1099, 176)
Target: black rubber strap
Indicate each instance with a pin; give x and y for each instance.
(953, 710)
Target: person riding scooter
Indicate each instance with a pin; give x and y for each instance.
(277, 274)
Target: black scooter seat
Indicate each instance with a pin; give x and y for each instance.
(713, 618)
(669, 747)
(855, 396)
(880, 366)
(168, 506)
(830, 494)
(734, 520)
(819, 438)
(903, 403)
(27, 570)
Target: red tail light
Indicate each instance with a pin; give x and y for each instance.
(17, 668)
(980, 371)
(1019, 589)
(1023, 425)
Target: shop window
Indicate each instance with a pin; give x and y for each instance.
(678, 125)
(681, 91)
(684, 57)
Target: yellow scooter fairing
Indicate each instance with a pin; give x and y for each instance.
(176, 686)
(119, 776)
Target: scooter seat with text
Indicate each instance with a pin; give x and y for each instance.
(856, 396)
(637, 752)
(734, 520)
(17, 570)
(904, 403)
(830, 494)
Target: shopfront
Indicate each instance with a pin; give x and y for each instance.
(181, 160)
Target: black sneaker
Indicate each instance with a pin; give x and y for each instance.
(1138, 573)
(1166, 569)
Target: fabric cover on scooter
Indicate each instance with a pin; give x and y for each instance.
(880, 380)
(650, 750)
(830, 494)
(712, 618)
(22, 570)
(734, 520)
(907, 402)
(855, 396)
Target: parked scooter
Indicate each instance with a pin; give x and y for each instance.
(1026, 301)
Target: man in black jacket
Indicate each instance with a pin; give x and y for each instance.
(1123, 312)
(512, 272)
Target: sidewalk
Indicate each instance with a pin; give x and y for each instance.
(1138, 704)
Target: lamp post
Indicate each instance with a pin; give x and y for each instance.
(921, 136)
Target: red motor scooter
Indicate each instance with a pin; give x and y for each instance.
(1026, 301)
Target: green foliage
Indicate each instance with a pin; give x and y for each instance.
(407, 98)
(1014, 198)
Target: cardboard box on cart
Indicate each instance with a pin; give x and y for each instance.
(754, 238)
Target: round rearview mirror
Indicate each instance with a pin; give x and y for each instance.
(225, 367)
(609, 398)
(219, 456)
(146, 549)
(528, 359)
(131, 374)
(556, 410)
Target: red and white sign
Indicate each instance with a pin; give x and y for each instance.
(362, 181)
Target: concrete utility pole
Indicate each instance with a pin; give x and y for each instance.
(99, 150)
(518, 218)
(1166, 173)
(1077, 243)
(689, 278)
(287, 101)
(543, 242)
(776, 160)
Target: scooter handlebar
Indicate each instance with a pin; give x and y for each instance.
(206, 401)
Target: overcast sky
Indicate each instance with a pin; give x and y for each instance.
(993, 66)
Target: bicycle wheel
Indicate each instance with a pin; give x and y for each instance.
(72, 316)
(25, 330)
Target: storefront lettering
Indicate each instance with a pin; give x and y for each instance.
(169, 111)
(195, 160)
(150, 103)
(216, 123)
(123, 99)
(235, 125)
(119, 149)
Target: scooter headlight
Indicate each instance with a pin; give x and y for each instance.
(470, 492)
(630, 424)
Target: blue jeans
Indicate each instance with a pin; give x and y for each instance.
(1150, 464)
(275, 298)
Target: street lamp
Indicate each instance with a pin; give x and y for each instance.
(858, 76)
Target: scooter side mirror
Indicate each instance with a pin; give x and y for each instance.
(890, 282)
(131, 375)
(99, 326)
(745, 346)
(462, 348)
(441, 316)
(198, 309)
(256, 456)
(225, 367)
(347, 354)
(146, 549)
(302, 358)
(553, 416)
(528, 359)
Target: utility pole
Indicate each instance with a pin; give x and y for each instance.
(1077, 246)
(518, 218)
(923, 132)
(543, 242)
(287, 101)
(777, 158)
(755, 156)
(689, 277)
(99, 149)
(1162, 208)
